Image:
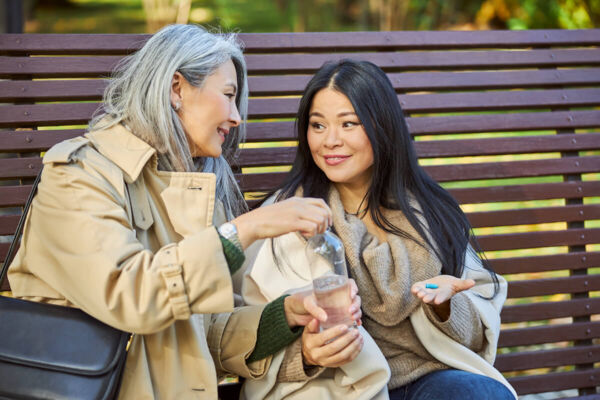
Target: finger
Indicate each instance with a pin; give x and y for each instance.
(312, 326)
(332, 333)
(347, 354)
(467, 284)
(353, 288)
(428, 298)
(339, 343)
(310, 305)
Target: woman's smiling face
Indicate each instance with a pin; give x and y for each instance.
(208, 112)
(338, 142)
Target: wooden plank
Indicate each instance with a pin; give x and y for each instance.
(534, 191)
(403, 61)
(506, 122)
(531, 240)
(280, 63)
(452, 102)
(52, 90)
(547, 358)
(554, 262)
(33, 140)
(556, 381)
(540, 215)
(121, 43)
(11, 196)
(542, 287)
(549, 334)
(8, 224)
(92, 89)
(14, 168)
(550, 310)
(444, 148)
(439, 80)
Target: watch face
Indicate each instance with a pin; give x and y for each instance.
(228, 230)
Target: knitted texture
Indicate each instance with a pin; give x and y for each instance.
(384, 273)
(274, 332)
(233, 255)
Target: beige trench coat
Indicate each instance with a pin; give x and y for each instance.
(157, 270)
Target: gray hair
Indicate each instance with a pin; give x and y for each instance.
(138, 96)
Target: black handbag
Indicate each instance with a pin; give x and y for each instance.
(54, 352)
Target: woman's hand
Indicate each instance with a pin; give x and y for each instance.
(301, 307)
(439, 298)
(306, 215)
(333, 347)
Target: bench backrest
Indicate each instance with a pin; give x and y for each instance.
(508, 121)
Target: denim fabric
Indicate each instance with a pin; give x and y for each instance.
(452, 384)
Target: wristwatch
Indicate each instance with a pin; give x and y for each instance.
(229, 232)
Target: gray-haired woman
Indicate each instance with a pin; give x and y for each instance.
(123, 223)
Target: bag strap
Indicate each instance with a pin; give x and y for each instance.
(19, 231)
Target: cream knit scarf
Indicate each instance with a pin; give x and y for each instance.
(383, 271)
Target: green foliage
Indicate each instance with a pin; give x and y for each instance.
(127, 16)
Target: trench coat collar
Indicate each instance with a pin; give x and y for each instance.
(123, 148)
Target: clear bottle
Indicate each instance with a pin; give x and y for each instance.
(327, 260)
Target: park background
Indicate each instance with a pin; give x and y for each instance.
(248, 16)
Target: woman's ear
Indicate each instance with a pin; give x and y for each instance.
(176, 90)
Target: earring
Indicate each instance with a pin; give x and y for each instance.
(177, 106)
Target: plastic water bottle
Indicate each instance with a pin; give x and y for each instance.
(327, 259)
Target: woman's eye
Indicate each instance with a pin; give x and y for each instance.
(230, 95)
(316, 125)
(350, 124)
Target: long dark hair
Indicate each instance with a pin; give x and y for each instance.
(396, 168)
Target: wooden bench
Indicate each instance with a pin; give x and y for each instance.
(508, 121)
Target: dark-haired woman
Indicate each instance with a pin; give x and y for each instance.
(429, 302)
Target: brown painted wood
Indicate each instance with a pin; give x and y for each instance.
(14, 168)
(8, 224)
(439, 80)
(547, 358)
(506, 122)
(549, 334)
(555, 262)
(34, 140)
(554, 381)
(534, 191)
(91, 89)
(11, 196)
(531, 240)
(80, 66)
(123, 43)
(542, 287)
(526, 216)
(551, 309)
(453, 102)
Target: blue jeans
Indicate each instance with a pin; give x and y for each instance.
(452, 384)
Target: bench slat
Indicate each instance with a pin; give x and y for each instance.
(419, 81)
(78, 66)
(34, 140)
(554, 262)
(534, 191)
(91, 89)
(550, 310)
(549, 334)
(547, 358)
(532, 240)
(115, 43)
(555, 381)
(8, 224)
(543, 287)
(528, 216)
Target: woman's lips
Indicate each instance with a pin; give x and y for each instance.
(335, 160)
(222, 133)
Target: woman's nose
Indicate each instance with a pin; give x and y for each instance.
(234, 115)
(333, 138)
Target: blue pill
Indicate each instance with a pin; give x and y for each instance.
(431, 286)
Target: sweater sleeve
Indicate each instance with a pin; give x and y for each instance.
(273, 331)
(463, 325)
